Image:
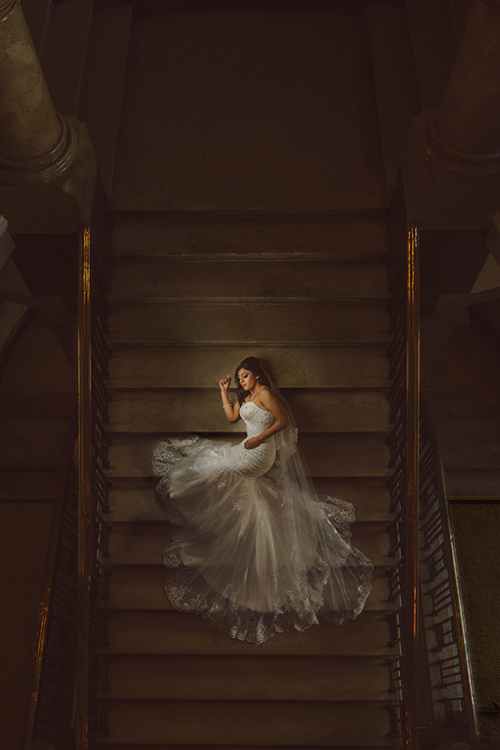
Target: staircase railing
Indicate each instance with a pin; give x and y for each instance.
(71, 627)
(52, 694)
(422, 580)
(404, 355)
(450, 673)
(93, 447)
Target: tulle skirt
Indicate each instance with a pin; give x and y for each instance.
(253, 548)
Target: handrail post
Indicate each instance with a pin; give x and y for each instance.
(412, 503)
(84, 490)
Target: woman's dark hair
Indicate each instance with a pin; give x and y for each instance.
(254, 366)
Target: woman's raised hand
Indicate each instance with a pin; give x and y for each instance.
(224, 384)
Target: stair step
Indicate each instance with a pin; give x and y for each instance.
(471, 444)
(18, 454)
(26, 484)
(142, 544)
(170, 632)
(113, 746)
(142, 587)
(370, 497)
(355, 455)
(36, 430)
(159, 234)
(24, 532)
(202, 322)
(248, 678)
(458, 412)
(200, 411)
(39, 406)
(471, 483)
(201, 367)
(230, 723)
(154, 278)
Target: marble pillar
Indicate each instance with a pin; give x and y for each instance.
(47, 167)
(452, 164)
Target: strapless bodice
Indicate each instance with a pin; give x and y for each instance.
(255, 418)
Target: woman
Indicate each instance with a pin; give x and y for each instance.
(254, 549)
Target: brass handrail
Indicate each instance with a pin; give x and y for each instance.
(456, 596)
(45, 602)
(84, 489)
(412, 484)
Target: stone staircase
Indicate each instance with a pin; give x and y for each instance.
(37, 405)
(191, 297)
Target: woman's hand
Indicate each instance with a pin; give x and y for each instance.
(224, 384)
(253, 442)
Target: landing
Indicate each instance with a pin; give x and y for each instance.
(249, 109)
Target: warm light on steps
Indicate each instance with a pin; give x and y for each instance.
(248, 678)
(327, 454)
(296, 367)
(199, 411)
(142, 543)
(156, 631)
(135, 499)
(325, 329)
(157, 278)
(250, 323)
(141, 587)
(256, 722)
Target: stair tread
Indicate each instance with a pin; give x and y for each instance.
(361, 367)
(143, 543)
(247, 322)
(149, 746)
(473, 483)
(200, 411)
(151, 278)
(26, 484)
(326, 455)
(171, 632)
(273, 678)
(255, 722)
(370, 497)
(165, 234)
(23, 453)
(33, 430)
(470, 444)
(141, 587)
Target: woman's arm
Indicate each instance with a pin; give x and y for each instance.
(272, 404)
(232, 411)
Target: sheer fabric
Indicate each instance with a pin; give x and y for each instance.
(253, 548)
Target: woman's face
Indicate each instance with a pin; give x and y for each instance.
(247, 379)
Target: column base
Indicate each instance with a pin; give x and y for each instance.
(59, 203)
(439, 198)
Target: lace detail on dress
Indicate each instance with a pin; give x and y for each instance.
(253, 548)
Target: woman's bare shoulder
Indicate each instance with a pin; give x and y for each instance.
(266, 395)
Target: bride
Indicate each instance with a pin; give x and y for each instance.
(253, 548)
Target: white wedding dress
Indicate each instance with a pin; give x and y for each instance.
(253, 548)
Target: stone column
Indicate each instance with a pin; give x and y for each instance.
(47, 167)
(464, 133)
(35, 142)
(451, 167)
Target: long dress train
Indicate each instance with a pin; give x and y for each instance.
(253, 548)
